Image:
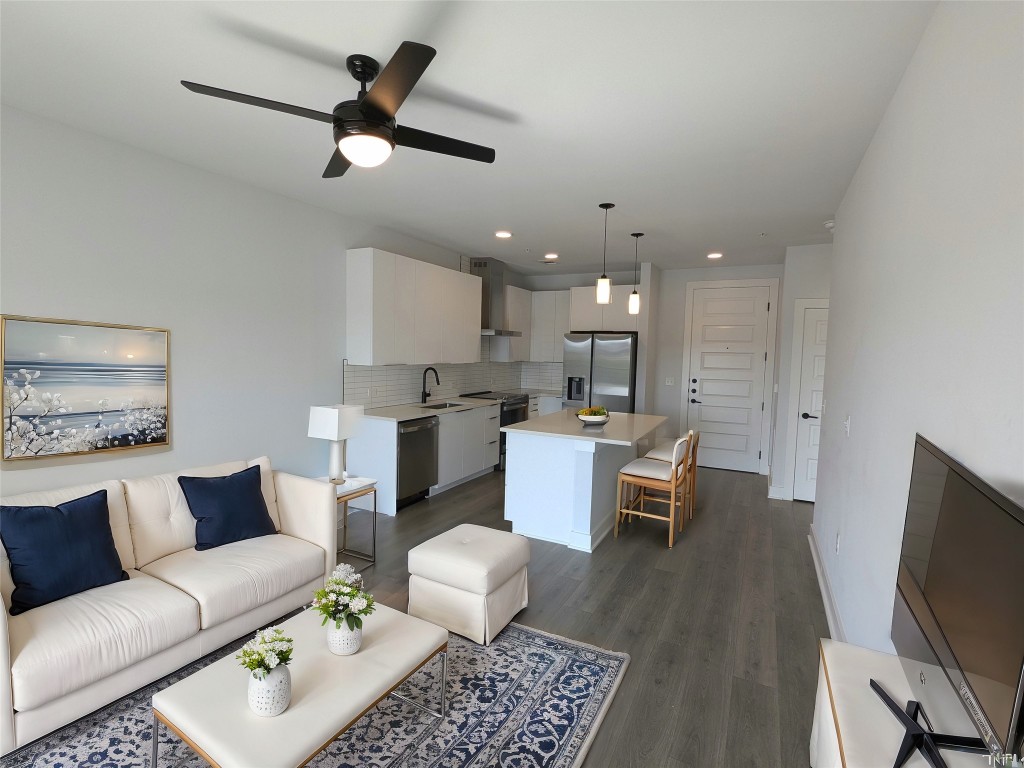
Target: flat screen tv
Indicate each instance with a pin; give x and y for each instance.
(959, 608)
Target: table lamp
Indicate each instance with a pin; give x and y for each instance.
(336, 423)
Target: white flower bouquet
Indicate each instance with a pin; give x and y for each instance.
(267, 650)
(342, 599)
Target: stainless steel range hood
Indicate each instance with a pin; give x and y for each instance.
(492, 310)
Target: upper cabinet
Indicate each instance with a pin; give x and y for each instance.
(587, 315)
(548, 324)
(403, 311)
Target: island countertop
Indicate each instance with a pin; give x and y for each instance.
(621, 429)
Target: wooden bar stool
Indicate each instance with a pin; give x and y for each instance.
(663, 452)
(643, 475)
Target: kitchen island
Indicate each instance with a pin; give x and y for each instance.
(561, 476)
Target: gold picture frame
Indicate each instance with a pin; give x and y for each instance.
(73, 387)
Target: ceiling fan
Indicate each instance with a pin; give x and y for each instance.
(365, 130)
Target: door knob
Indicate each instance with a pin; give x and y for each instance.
(692, 400)
(806, 415)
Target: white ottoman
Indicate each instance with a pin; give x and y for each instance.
(471, 580)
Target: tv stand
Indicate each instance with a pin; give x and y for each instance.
(917, 738)
(851, 729)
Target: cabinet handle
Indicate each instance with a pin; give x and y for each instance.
(491, 418)
(492, 442)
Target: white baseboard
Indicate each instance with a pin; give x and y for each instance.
(835, 622)
(779, 492)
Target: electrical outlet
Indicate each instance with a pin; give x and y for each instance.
(837, 543)
(669, 381)
(846, 425)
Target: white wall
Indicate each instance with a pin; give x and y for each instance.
(247, 281)
(926, 326)
(806, 275)
(671, 318)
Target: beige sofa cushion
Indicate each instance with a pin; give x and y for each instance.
(237, 577)
(118, 522)
(161, 523)
(66, 645)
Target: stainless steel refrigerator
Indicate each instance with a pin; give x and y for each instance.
(599, 369)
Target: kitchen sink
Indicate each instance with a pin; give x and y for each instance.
(442, 406)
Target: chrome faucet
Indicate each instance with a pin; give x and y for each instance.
(425, 394)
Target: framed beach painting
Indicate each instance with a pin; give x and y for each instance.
(75, 388)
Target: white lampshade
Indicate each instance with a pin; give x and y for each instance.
(634, 303)
(334, 422)
(604, 290)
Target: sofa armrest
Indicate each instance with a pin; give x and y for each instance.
(309, 511)
(7, 737)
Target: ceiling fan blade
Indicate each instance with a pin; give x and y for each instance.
(337, 166)
(432, 142)
(398, 78)
(256, 101)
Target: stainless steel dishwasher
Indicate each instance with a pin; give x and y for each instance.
(417, 458)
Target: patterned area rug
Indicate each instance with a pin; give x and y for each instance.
(528, 700)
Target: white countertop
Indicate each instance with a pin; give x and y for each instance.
(411, 411)
(621, 429)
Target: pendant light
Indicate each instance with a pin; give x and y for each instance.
(604, 283)
(634, 297)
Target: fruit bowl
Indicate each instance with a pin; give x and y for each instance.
(592, 419)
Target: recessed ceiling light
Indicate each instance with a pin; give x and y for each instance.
(714, 255)
(503, 234)
(550, 256)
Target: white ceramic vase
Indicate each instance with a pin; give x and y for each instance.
(270, 696)
(344, 641)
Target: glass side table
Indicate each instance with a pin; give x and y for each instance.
(355, 488)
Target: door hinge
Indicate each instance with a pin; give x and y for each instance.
(769, 306)
(759, 454)
(762, 405)
(766, 357)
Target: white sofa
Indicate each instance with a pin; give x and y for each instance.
(63, 660)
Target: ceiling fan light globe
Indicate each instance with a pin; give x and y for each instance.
(365, 149)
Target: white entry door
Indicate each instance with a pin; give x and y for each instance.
(725, 392)
(812, 381)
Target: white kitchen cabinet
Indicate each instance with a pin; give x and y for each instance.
(460, 305)
(404, 311)
(467, 444)
(549, 404)
(492, 435)
(584, 311)
(450, 448)
(542, 327)
(615, 316)
(562, 324)
(587, 315)
(429, 325)
(549, 322)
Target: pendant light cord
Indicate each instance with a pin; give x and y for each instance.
(636, 253)
(604, 258)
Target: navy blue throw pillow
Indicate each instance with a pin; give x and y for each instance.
(59, 551)
(227, 509)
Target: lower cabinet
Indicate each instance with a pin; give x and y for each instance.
(549, 404)
(467, 444)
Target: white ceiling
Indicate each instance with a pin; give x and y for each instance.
(707, 123)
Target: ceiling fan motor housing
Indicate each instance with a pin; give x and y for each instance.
(350, 119)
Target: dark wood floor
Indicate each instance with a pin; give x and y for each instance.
(722, 630)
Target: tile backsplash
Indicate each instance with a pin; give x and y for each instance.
(380, 385)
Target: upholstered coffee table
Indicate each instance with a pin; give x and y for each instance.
(210, 712)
